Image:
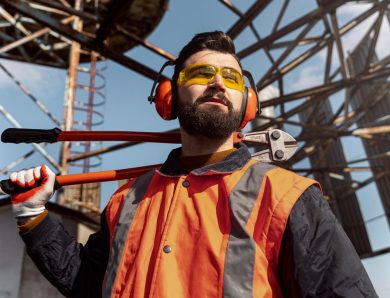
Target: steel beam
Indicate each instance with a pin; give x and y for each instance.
(366, 182)
(85, 41)
(22, 29)
(332, 168)
(319, 46)
(146, 44)
(301, 42)
(305, 105)
(248, 17)
(327, 88)
(376, 28)
(68, 10)
(235, 10)
(30, 37)
(376, 253)
(313, 15)
(339, 46)
(230, 6)
(280, 16)
(288, 51)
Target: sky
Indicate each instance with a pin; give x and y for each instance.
(127, 108)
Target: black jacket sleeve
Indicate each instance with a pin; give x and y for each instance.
(317, 258)
(75, 270)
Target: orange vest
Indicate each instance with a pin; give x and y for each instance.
(209, 235)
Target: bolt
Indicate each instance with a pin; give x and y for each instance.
(275, 135)
(279, 154)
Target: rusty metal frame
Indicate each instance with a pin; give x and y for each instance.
(82, 39)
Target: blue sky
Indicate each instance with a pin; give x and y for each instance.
(127, 108)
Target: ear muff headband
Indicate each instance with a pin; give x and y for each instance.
(163, 96)
(151, 97)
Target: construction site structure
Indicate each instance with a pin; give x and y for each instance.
(81, 36)
(372, 102)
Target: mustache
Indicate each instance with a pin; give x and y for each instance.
(211, 93)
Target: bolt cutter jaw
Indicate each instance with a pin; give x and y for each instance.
(281, 145)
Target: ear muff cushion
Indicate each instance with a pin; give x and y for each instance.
(163, 99)
(251, 107)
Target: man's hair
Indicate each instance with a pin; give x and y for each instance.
(213, 41)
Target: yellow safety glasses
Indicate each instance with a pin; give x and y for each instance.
(204, 74)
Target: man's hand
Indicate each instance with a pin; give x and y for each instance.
(39, 184)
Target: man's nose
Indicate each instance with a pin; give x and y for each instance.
(218, 83)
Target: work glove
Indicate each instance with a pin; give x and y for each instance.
(32, 201)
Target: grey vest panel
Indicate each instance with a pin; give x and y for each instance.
(240, 254)
(130, 205)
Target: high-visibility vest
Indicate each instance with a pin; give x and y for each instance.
(210, 235)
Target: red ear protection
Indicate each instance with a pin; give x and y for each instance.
(163, 100)
(163, 96)
(249, 106)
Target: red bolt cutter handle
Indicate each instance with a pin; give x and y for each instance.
(7, 187)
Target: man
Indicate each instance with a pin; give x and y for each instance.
(211, 222)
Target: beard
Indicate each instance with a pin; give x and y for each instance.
(211, 122)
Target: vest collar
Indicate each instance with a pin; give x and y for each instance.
(234, 161)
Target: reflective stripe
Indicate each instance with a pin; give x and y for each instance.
(130, 205)
(240, 254)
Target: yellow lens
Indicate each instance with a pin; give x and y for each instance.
(199, 74)
(233, 79)
(204, 74)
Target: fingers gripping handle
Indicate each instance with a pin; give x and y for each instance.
(25, 135)
(8, 187)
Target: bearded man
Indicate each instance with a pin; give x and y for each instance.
(211, 222)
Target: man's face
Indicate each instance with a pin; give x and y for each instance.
(212, 110)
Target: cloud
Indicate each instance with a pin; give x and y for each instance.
(38, 79)
(352, 9)
(21, 71)
(309, 76)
